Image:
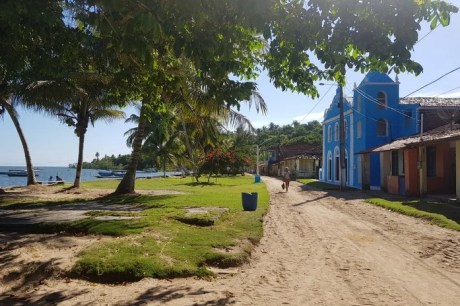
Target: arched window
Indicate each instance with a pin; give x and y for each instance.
(336, 132)
(359, 106)
(337, 164)
(345, 127)
(329, 133)
(358, 129)
(382, 128)
(329, 166)
(382, 100)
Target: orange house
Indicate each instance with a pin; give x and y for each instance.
(426, 164)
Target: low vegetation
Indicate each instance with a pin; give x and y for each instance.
(181, 233)
(314, 183)
(441, 214)
(438, 213)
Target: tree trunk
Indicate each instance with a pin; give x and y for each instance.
(127, 184)
(190, 152)
(81, 143)
(31, 180)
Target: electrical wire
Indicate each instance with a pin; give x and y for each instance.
(442, 76)
(448, 91)
(373, 100)
(314, 106)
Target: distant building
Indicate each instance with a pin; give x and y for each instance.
(304, 160)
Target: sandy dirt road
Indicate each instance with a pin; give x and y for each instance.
(319, 248)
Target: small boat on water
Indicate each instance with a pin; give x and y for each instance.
(20, 172)
(111, 173)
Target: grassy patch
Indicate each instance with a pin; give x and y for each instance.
(322, 185)
(159, 243)
(441, 214)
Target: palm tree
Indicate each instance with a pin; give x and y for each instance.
(192, 99)
(78, 101)
(161, 137)
(7, 105)
(187, 121)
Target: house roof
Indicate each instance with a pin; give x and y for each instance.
(427, 102)
(300, 151)
(442, 133)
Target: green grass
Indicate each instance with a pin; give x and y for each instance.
(314, 183)
(164, 241)
(441, 214)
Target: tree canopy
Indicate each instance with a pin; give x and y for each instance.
(141, 45)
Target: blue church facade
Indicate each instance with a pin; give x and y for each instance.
(374, 117)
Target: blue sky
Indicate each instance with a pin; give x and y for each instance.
(54, 144)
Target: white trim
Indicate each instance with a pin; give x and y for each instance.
(336, 131)
(352, 147)
(337, 117)
(324, 154)
(377, 84)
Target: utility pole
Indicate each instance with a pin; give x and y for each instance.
(257, 177)
(342, 140)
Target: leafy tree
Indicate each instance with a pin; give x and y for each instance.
(237, 37)
(77, 101)
(10, 109)
(223, 161)
(28, 30)
(295, 133)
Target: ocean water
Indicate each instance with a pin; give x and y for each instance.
(67, 175)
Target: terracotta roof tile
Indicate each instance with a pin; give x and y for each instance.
(432, 101)
(442, 133)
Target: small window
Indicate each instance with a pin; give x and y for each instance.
(408, 119)
(381, 100)
(329, 166)
(336, 132)
(358, 107)
(382, 128)
(329, 133)
(358, 129)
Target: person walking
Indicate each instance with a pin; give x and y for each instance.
(286, 178)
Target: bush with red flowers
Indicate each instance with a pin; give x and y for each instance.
(219, 161)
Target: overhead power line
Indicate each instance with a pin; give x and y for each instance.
(443, 93)
(442, 76)
(314, 106)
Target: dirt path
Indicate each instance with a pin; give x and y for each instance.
(318, 249)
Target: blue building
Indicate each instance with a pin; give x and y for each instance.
(374, 117)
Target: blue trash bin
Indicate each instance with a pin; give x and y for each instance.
(257, 179)
(249, 201)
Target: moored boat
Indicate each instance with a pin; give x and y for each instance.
(104, 173)
(111, 173)
(20, 172)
